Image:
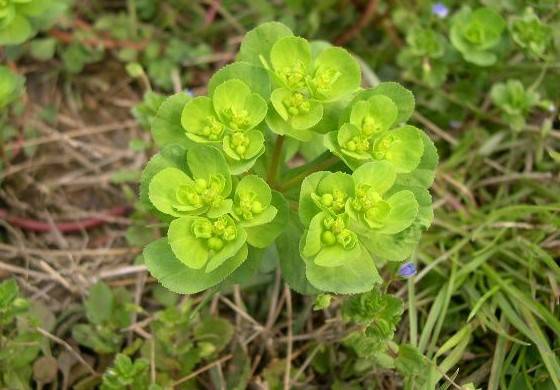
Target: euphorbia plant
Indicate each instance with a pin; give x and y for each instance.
(226, 198)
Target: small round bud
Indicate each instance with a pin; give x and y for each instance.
(240, 150)
(328, 238)
(215, 243)
(256, 207)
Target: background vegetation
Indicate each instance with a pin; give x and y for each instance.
(79, 85)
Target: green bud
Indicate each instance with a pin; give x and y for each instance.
(327, 199)
(328, 238)
(202, 229)
(257, 207)
(215, 243)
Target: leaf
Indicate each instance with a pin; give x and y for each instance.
(379, 175)
(175, 276)
(189, 249)
(291, 263)
(200, 121)
(307, 207)
(214, 330)
(169, 156)
(99, 303)
(16, 32)
(166, 126)
(257, 43)
(396, 247)
(424, 174)
(163, 192)
(379, 109)
(290, 58)
(234, 98)
(255, 77)
(405, 148)
(264, 235)
(336, 74)
(404, 209)
(207, 161)
(358, 274)
(402, 97)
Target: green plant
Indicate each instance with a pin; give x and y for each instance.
(205, 181)
(20, 19)
(531, 34)
(514, 101)
(126, 374)
(107, 311)
(476, 33)
(19, 341)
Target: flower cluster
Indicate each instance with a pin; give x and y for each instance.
(205, 185)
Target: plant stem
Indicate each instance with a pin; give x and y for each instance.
(299, 178)
(275, 163)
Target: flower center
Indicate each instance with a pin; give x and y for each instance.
(336, 233)
(238, 119)
(249, 206)
(324, 79)
(382, 148)
(475, 33)
(239, 143)
(370, 126)
(371, 204)
(293, 76)
(357, 144)
(216, 233)
(212, 129)
(334, 201)
(297, 104)
(202, 193)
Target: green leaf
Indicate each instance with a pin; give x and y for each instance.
(237, 106)
(170, 156)
(16, 32)
(307, 207)
(282, 127)
(375, 115)
(347, 138)
(257, 43)
(264, 235)
(379, 175)
(394, 247)
(163, 191)
(358, 274)
(404, 209)
(255, 77)
(99, 303)
(207, 161)
(297, 111)
(403, 147)
(166, 126)
(402, 97)
(424, 174)
(292, 265)
(336, 74)
(43, 49)
(175, 276)
(200, 121)
(291, 58)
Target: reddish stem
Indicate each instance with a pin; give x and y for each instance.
(64, 227)
(211, 13)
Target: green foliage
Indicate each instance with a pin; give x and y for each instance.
(126, 374)
(19, 341)
(514, 101)
(531, 34)
(11, 86)
(107, 311)
(20, 19)
(476, 33)
(301, 88)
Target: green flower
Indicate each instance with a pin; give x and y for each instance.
(529, 32)
(174, 192)
(232, 108)
(368, 136)
(252, 202)
(371, 210)
(514, 101)
(305, 83)
(475, 33)
(324, 191)
(10, 86)
(228, 118)
(205, 243)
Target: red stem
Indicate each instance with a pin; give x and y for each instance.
(64, 227)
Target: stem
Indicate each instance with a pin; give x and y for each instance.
(299, 178)
(274, 164)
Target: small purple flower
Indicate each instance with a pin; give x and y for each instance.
(440, 10)
(407, 270)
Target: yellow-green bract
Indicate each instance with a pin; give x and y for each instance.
(208, 181)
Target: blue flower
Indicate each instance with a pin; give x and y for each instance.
(440, 10)
(407, 270)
